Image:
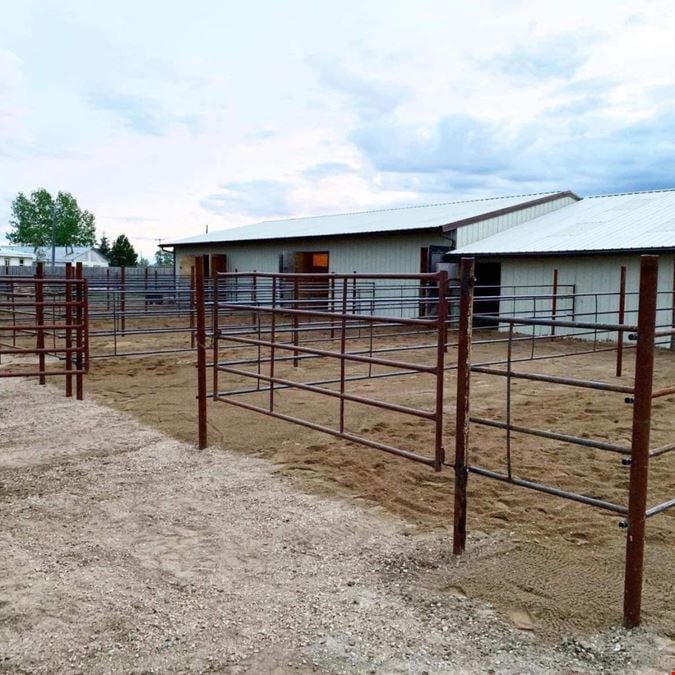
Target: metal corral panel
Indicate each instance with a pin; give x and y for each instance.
(595, 282)
(383, 220)
(633, 221)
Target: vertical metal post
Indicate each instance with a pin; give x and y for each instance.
(509, 361)
(332, 307)
(639, 466)
(145, 287)
(201, 353)
(69, 333)
(672, 313)
(343, 347)
(215, 332)
(273, 340)
(79, 332)
(191, 304)
(40, 317)
(467, 282)
(554, 300)
(441, 318)
(622, 317)
(123, 299)
(107, 288)
(295, 320)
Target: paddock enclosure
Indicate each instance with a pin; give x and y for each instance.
(390, 366)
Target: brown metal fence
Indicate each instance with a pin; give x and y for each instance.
(44, 327)
(250, 327)
(640, 394)
(264, 316)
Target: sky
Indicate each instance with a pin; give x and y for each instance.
(163, 118)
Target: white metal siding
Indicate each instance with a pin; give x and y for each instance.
(372, 254)
(485, 228)
(589, 274)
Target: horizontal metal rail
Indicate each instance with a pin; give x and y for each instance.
(406, 410)
(547, 489)
(554, 379)
(349, 356)
(329, 430)
(567, 438)
(660, 508)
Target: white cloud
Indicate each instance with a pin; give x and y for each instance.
(144, 111)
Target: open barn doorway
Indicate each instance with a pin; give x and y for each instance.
(307, 293)
(487, 293)
(430, 259)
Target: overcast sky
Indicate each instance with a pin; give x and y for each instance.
(161, 117)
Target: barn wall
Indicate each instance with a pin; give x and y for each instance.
(468, 234)
(383, 253)
(589, 274)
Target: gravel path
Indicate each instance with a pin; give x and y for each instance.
(126, 551)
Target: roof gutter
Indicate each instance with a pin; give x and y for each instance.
(561, 254)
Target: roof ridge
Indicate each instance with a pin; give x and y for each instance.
(415, 206)
(634, 192)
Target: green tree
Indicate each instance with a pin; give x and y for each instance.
(122, 253)
(163, 258)
(104, 247)
(143, 262)
(34, 218)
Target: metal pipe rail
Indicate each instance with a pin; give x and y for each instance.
(641, 393)
(54, 309)
(298, 312)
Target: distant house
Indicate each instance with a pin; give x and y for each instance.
(11, 257)
(88, 256)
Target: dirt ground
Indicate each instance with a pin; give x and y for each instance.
(565, 560)
(128, 551)
(552, 567)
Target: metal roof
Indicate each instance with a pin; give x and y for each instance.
(16, 252)
(63, 254)
(383, 220)
(621, 222)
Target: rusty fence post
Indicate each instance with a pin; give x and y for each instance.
(622, 318)
(40, 317)
(467, 282)
(79, 332)
(639, 466)
(441, 340)
(201, 353)
(214, 330)
(191, 305)
(294, 323)
(554, 300)
(123, 300)
(69, 333)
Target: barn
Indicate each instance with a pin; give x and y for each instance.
(406, 240)
(581, 249)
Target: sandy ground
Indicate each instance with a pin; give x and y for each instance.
(561, 561)
(125, 550)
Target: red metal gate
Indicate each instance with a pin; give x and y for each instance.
(45, 318)
(640, 394)
(290, 313)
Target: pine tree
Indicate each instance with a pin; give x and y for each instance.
(104, 247)
(122, 253)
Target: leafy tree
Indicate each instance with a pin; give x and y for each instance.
(122, 253)
(104, 247)
(143, 262)
(34, 217)
(163, 258)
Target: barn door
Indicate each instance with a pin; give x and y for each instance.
(430, 259)
(219, 262)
